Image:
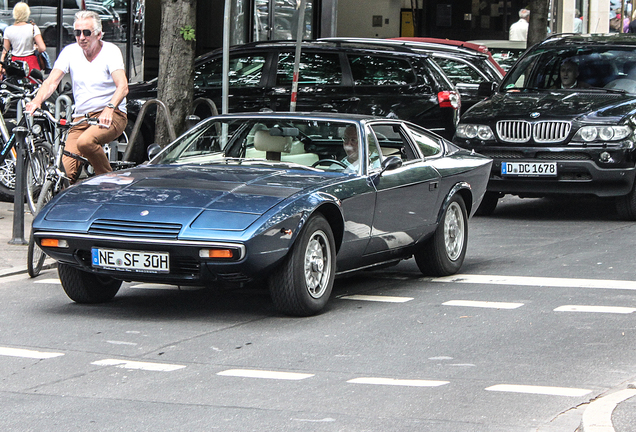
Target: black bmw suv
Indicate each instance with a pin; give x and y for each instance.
(561, 122)
(346, 77)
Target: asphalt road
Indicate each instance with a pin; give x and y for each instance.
(538, 324)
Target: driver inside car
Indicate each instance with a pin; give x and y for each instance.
(352, 146)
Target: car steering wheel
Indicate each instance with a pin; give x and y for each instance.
(328, 161)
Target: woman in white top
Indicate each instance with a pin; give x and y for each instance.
(23, 38)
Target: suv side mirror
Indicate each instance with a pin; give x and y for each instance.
(486, 89)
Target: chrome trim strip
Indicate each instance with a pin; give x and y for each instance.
(193, 243)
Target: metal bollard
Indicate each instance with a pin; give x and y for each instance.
(20, 133)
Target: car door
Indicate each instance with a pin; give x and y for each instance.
(405, 197)
(322, 86)
(246, 81)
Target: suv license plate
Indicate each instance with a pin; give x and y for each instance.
(127, 260)
(529, 169)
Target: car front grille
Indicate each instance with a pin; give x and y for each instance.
(520, 131)
(563, 156)
(121, 228)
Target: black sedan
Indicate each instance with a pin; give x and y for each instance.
(281, 197)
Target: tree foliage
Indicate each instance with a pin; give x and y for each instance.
(176, 63)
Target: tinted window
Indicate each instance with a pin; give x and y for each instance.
(245, 71)
(371, 70)
(459, 71)
(314, 69)
(428, 145)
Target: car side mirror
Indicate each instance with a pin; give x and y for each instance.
(486, 89)
(391, 163)
(153, 150)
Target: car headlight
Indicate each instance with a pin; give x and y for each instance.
(471, 131)
(602, 133)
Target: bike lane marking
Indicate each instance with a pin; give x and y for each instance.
(25, 353)
(539, 281)
(540, 390)
(483, 304)
(147, 366)
(255, 373)
(595, 309)
(375, 298)
(398, 382)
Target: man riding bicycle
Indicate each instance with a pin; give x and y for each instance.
(100, 87)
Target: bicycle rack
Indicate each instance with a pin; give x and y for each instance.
(142, 113)
(68, 103)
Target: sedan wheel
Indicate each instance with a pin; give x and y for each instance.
(443, 254)
(85, 287)
(302, 285)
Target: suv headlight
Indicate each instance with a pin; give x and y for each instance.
(471, 131)
(602, 133)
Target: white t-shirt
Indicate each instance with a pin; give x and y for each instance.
(22, 39)
(519, 30)
(93, 85)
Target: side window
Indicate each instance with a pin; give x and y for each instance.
(245, 71)
(391, 139)
(314, 69)
(459, 71)
(371, 70)
(428, 145)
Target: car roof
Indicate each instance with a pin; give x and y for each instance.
(613, 39)
(358, 44)
(500, 43)
(304, 116)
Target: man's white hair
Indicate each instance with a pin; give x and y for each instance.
(524, 13)
(86, 14)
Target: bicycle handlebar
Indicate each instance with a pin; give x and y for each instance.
(65, 123)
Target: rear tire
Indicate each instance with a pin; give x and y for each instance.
(7, 179)
(302, 284)
(84, 287)
(443, 254)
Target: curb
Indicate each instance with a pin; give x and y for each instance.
(598, 415)
(21, 270)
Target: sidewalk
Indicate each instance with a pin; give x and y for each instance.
(13, 257)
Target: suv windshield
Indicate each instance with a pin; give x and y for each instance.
(575, 67)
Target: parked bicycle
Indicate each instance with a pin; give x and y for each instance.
(38, 150)
(56, 179)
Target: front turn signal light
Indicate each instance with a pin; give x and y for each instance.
(53, 243)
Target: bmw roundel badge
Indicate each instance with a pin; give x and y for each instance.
(535, 114)
(144, 213)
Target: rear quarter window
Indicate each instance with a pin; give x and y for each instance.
(384, 71)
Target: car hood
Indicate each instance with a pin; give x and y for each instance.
(228, 198)
(555, 104)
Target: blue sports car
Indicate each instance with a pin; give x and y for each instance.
(291, 198)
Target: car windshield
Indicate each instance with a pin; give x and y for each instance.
(261, 141)
(611, 68)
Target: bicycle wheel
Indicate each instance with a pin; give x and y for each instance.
(35, 258)
(35, 255)
(7, 178)
(36, 166)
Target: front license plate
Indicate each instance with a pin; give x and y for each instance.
(529, 169)
(135, 261)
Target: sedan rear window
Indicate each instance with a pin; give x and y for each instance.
(245, 71)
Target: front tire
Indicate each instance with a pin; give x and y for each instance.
(35, 258)
(301, 286)
(626, 205)
(84, 287)
(443, 254)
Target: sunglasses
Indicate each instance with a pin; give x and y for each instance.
(86, 32)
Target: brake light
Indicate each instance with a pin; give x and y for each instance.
(449, 99)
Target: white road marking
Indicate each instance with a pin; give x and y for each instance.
(541, 390)
(155, 286)
(52, 281)
(597, 309)
(398, 382)
(125, 364)
(483, 304)
(385, 299)
(120, 342)
(253, 373)
(16, 352)
(539, 281)
(598, 415)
